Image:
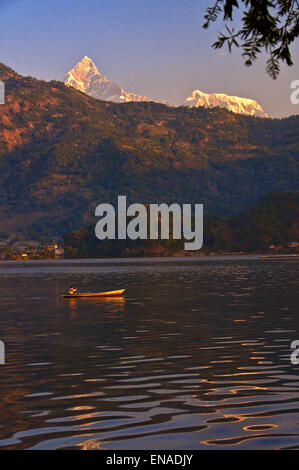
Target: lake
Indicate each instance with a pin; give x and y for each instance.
(196, 355)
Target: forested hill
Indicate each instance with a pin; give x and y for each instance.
(63, 152)
(273, 221)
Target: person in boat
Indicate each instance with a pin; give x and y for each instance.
(73, 290)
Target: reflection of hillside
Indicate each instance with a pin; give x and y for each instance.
(12, 413)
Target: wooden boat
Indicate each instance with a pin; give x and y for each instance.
(76, 295)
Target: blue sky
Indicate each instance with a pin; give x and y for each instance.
(152, 47)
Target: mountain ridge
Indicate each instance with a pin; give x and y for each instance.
(85, 76)
(63, 152)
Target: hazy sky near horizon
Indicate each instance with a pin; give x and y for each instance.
(155, 48)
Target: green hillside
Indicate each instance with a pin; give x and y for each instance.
(62, 153)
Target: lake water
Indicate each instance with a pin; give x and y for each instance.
(195, 356)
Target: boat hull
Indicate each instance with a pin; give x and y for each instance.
(78, 295)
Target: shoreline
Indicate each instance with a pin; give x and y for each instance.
(214, 257)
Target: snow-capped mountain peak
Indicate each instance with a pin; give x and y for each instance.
(86, 77)
(232, 103)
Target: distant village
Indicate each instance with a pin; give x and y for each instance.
(35, 250)
(30, 250)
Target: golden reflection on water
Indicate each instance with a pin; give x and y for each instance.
(81, 408)
(260, 427)
(91, 444)
(114, 304)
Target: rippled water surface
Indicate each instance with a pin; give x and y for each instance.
(196, 355)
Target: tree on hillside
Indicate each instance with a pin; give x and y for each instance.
(270, 26)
